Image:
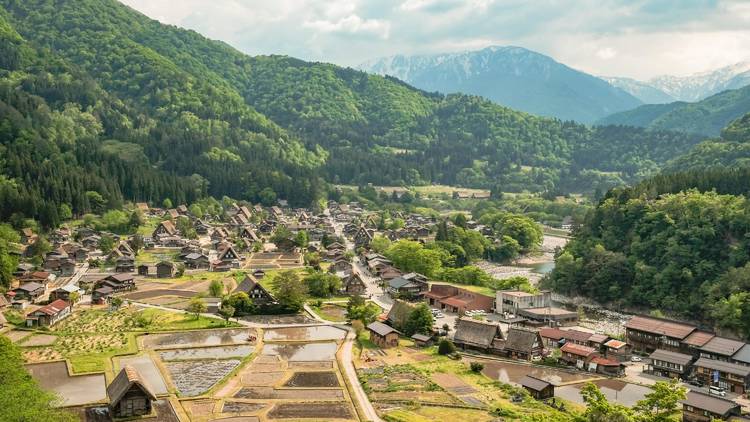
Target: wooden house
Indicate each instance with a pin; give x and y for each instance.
(196, 260)
(422, 340)
(129, 394)
(254, 290)
(29, 291)
(165, 269)
(668, 364)
(63, 293)
(647, 333)
(143, 270)
(354, 285)
(700, 407)
(523, 344)
(476, 334)
(575, 354)
(538, 388)
(733, 377)
(165, 228)
(399, 313)
(383, 335)
(49, 315)
(125, 264)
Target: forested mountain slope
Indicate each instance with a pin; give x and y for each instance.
(706, 117)
(177, 115)
(731, 150)
(679, 242)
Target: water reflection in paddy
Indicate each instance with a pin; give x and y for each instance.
(316, 333)
(512, 373)
(197, 338)
(222, 352)
(302, 352)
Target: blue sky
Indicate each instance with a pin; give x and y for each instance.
(638, 39)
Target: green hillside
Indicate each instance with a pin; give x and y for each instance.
(679, 242)
(706, 117)
(135, 110)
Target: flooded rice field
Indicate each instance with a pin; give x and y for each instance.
(616, 391)
(193, 378)
(317, 333)
(202, 338)
(512, 373)
(202, 353)
(313, 379)
(310, 352)
(310, 410)
(73, 390)
(148, 370)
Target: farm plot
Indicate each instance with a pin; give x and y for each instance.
(39, 340)
(192, 339)
(313, 379)
(193, 378)
(307, 352)
(148, 370)
(325, 411)
(306, 394)
(202, 353)
(73, 390)
(16, 335)
(317, 333)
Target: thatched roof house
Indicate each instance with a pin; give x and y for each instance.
(476, 334)
(129, 394)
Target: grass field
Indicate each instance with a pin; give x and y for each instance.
(331, 312)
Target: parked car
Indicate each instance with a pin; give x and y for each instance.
(717, 391)
(695, 382)
(438, 314)
(636, 359)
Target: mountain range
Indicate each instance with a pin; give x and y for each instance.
(707, 117)
(696, 87)
(511, 76)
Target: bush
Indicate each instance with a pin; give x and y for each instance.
(476, 367)
(446, 347)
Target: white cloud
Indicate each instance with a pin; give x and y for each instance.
(351, 24)
(610, 37)
(606, 53)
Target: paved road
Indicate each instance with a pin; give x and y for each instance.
(351, 375)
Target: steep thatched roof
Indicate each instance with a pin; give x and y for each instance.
(521, 340)
(471, 332)
(127, 377)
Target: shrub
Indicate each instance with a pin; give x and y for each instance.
(476, 367)
(446, 347)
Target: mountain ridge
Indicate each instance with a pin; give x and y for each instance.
(511, 76)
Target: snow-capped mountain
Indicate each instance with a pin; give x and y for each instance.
(645, 92)
(511, 76)
(687, 88)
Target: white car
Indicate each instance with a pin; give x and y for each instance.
(438, 315)
(717, 391)
(635, 359)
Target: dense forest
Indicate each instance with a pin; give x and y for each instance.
(97, 99)
(679, 242)
(706, 117)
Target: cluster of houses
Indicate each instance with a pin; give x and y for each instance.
(681, 350)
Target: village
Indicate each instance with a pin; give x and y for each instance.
(134, 325)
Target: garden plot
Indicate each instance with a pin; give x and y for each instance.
(39, 340)
(73, 390)
(240, 407)
(458, 387)
(16, 335)
(306, 352)
(192, 339)
(150, 294)
(313, 379)
(203, 353)
(98, 321)
(193, 378)
(298, 394)
(311, 366)
(148, 370)
(325, 411)
(317, 333)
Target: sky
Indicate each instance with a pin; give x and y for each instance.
(638, 39)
